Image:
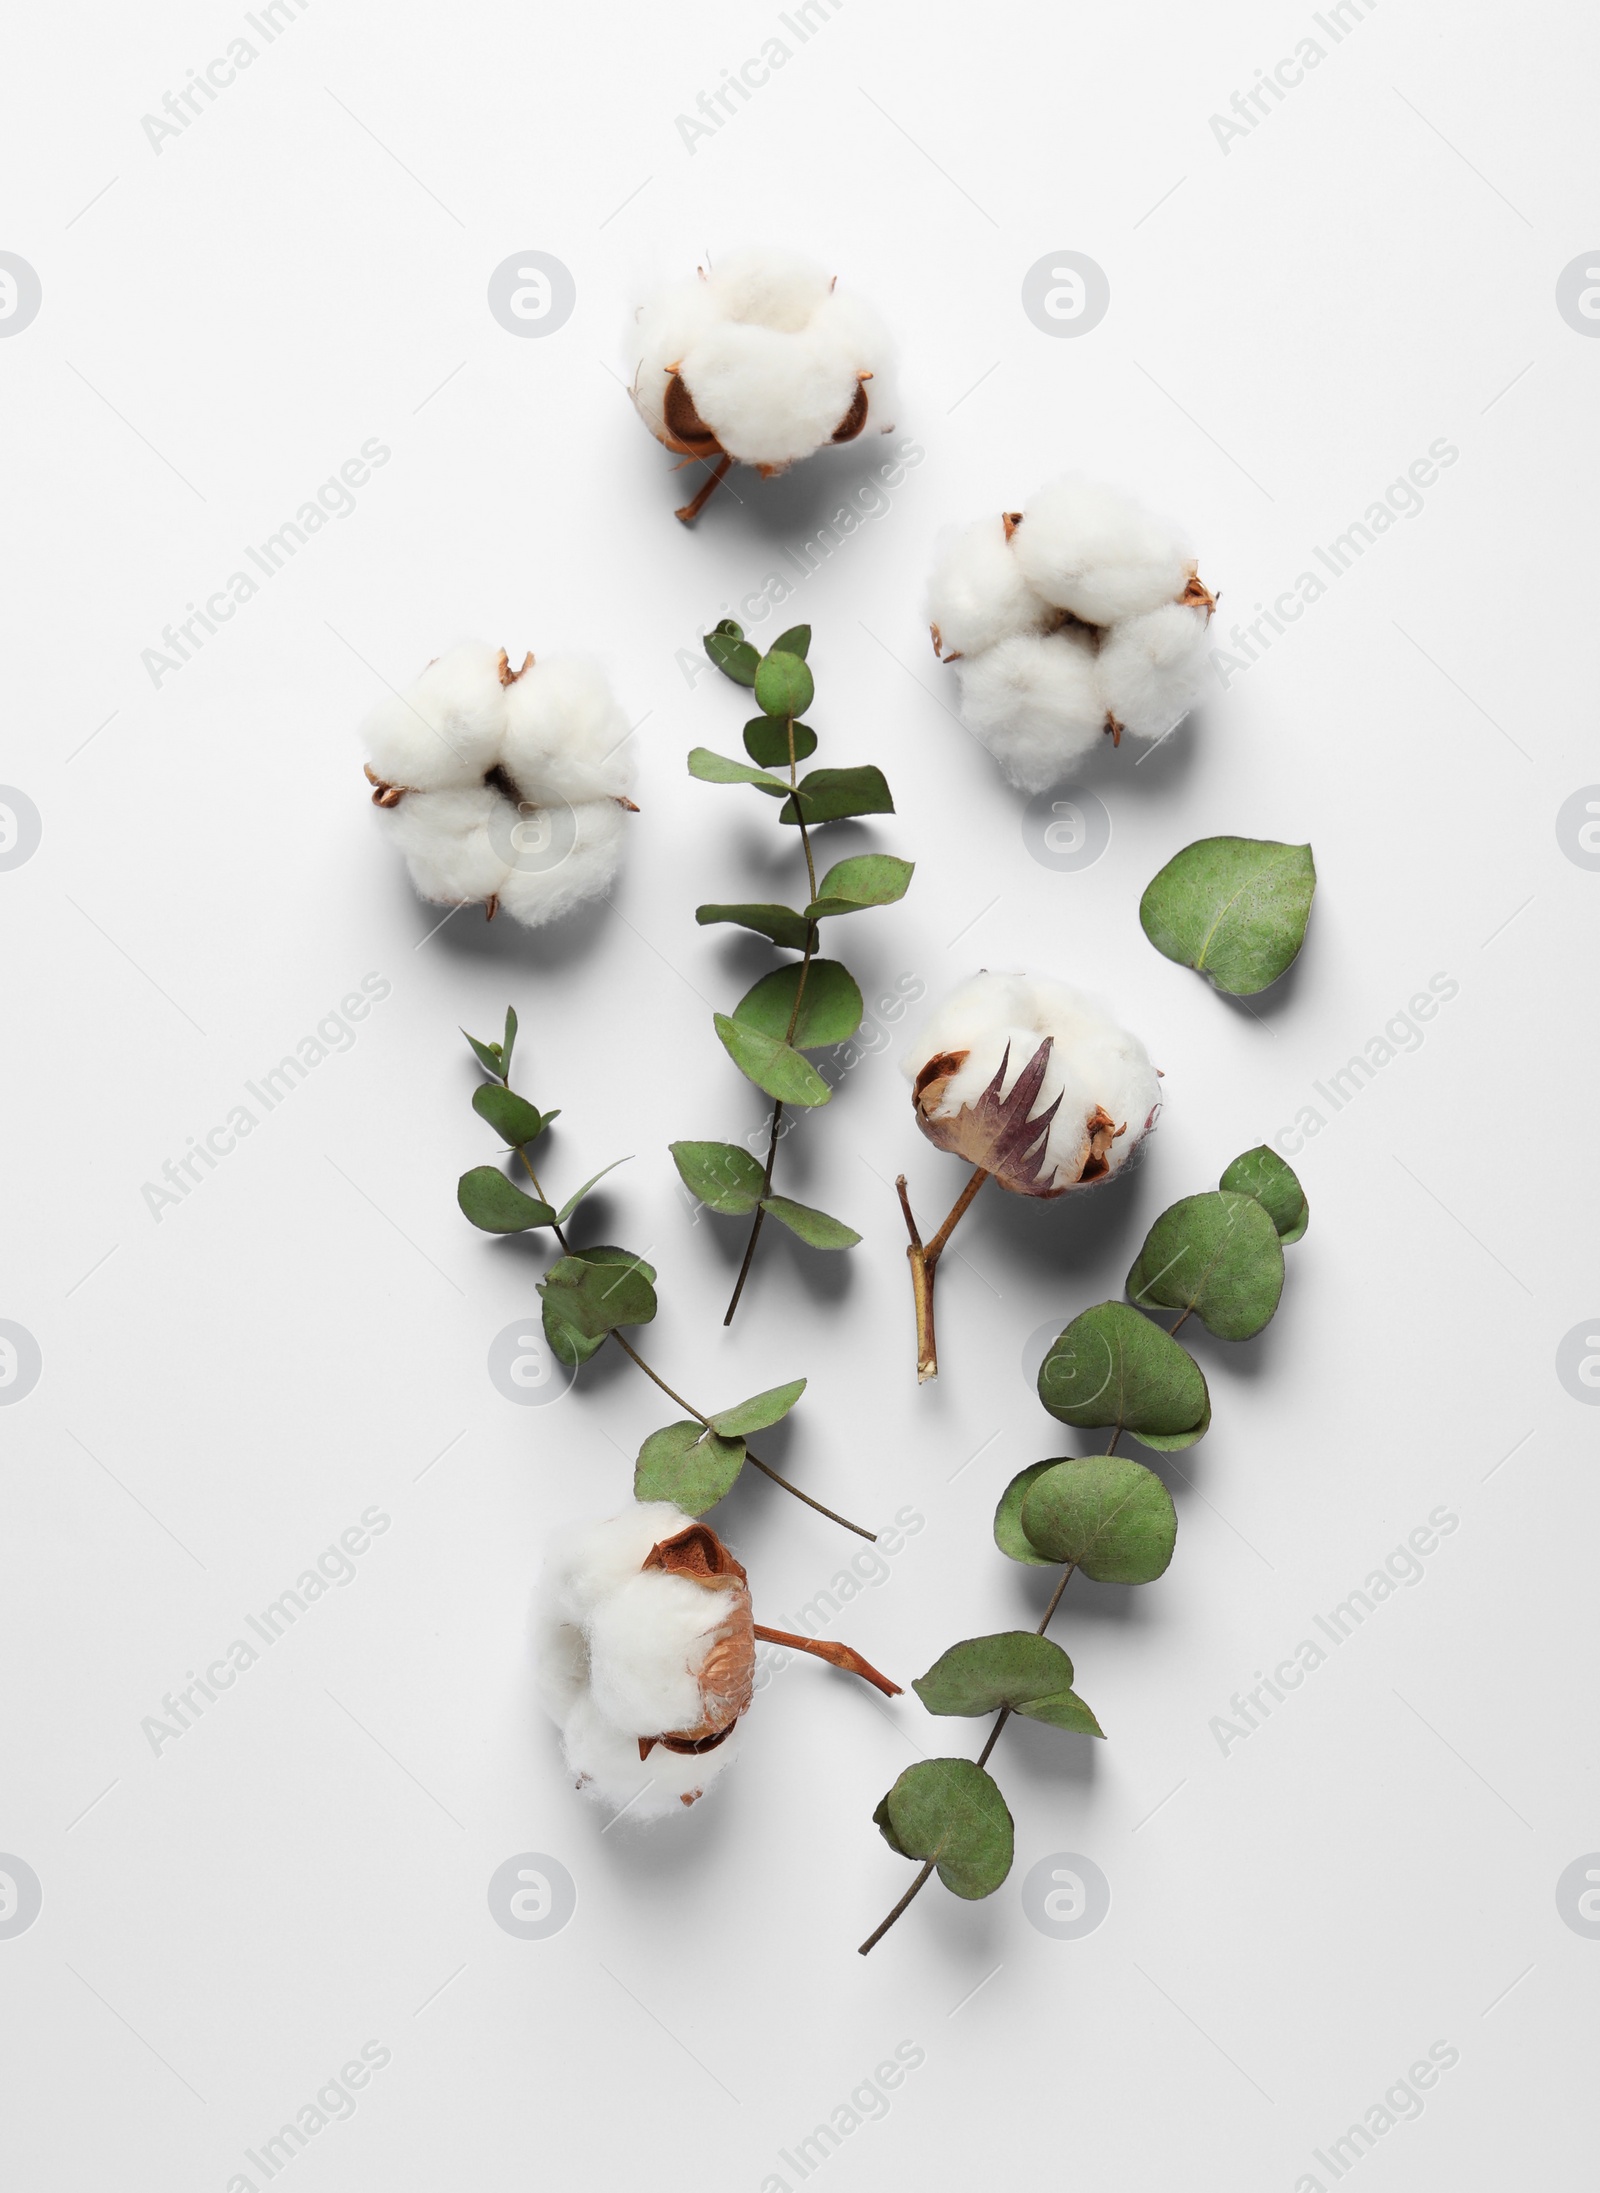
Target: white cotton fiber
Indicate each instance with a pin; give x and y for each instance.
(1094, 551)
(1035, 703)
(566, 735)
(774, 396)
(1149, 668)
(447, 728)
(445, 840)
(606, 1766)
(978, 595)
(561, 857)
(1095, 1067)
(646, 1645)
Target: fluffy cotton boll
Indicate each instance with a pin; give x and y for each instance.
(770, 288)
(1033, 1081)
(587, 1563)
(978, 595)
(1096, 552)
(666, 329)
(1035, 703)
(445, 730)
(1149, 669)
(647, 1643)
(560, 856)
(769, 395)
(566, 736)
(453, 843)
(606, 1767)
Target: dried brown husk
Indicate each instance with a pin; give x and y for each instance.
(997, 1134)
(727, 1673)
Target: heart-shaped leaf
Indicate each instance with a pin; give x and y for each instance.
(513, 1119)
(784, 685)
(1108, 1516)
(1017, 1669)
(871, 879)
(578, 1195)
(1113, 1367)
(832, 795)
(589, 1294)
(951, 1811)
(1217, 1255)
(783, 1073)
(719, 769)
(732, 653)
(688, 1465)
(1262, 1173)
(759, 1411)
(829, 1008)
(766, 740)
(1234, 909)
(1009, 1534)
(781, 923)
(814, 1227)
(724, 1177)
(495, 1206)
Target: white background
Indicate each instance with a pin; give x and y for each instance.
(1293, 321)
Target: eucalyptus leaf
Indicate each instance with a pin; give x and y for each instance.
(766, 740)
(829, 1011)
(509, 1041)
(724, 1177)
(951, 1811)
(1113, 1367)
(488, 1056)
(588, 1294)
(832, 795)
(688, 1465)
(578, 1195)
(758, 1412)
(784, 685)
(1009, 1534)
(781, 923)
(513, 1119)
(1015, 1669)
(871, 879)
(1262, 1173)
(1108, 1516)
(1216, 1255)
(783, 1073)
(732, 653)
(713, 768)
(796, 641)
(816, 1228)
(1234, 909)
(496, 1206)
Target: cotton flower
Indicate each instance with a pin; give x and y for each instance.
(646, 1651)
(503, 787)
(1079, 616)
(760, 360)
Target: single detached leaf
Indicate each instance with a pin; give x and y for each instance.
(796, 641)
(720, 769)
(766, 740)
(1110, 1517)
(814, 1227)
(1016, 1669)
(1113, 1367)
(783, 1073)
(1009, 1534)
(781, 923)
(688, 1465)
(732, 653)
(488, 1055)
(951, 1811)
(589, 1294)
(723, 1176)
(578, 1195)
(784, 686)
(509, 1041)
(830, 1007)
(495, 1206)
(1234, 909)
(1216, 1254)
(759, 1411)
(831, 795)
(872, 879)
(513, 1119)
(1276, 1187)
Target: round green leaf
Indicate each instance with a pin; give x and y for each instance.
(1009, 1534)
(589, 1294)
(724, 1177)
(689, 1466)
(1113, 1367)
(816, 1228)
(759, 1411)
(1216, 1254)
(1016, 1669)
(1276, 1187)
(771, 1064)
(951, 1811)
(766, 740)
(495, 1206)
(513, 1119)
(871, 879)
(830, 1006)
(784, 686)
(1234, 909)
(732, 653)
(1108, 1516)
(831, 795)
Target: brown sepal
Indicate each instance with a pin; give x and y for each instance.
(1010, 519)
(995, 1133)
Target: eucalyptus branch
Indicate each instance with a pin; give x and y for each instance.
(809, 1004)
(590, 1294)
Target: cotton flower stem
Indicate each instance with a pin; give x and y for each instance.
(1001, 1719)
(924, 1259)
(689, 511)
(839, 1656)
